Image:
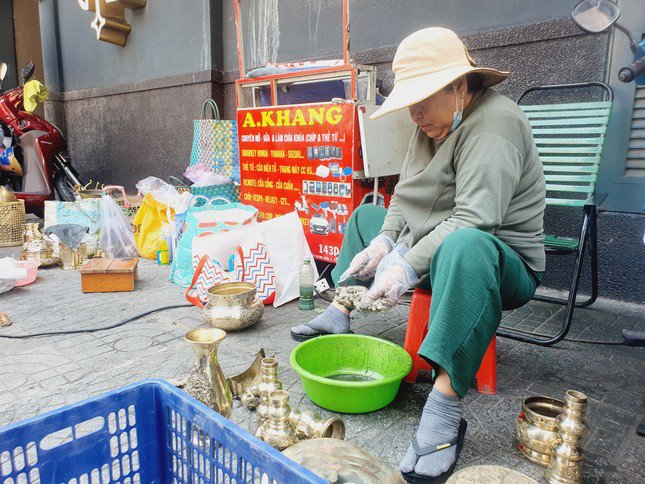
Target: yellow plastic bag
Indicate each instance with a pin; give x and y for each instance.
(148, 223)
(34, 93)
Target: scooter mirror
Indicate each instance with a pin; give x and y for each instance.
(27, 71)
(595, 16)
(3, 71)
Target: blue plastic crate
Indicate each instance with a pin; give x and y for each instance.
(148, 432)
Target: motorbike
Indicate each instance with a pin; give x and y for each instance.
(33, 163)
(596, 16)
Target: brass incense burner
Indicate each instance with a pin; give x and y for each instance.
(536, 428)
(232, 306)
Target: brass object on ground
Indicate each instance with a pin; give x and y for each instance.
(248, 378)
(310, 425)
(4, 320)
(232, 306)
(340, 461)
(305, 424)
(536, 428)
(206, 381)
(71, 259)
(489, 475)
(268, 384)
(37, 247)
(566, 454)
(277, 430)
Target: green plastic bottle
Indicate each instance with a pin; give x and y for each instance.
(306, 302)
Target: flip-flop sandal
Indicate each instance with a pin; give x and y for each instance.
(305, 337)
(415, 478)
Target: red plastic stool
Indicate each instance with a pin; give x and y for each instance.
(416, 333)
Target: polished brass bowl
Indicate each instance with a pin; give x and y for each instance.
(536, 428)
(232, 306)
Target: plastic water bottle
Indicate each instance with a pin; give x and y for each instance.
(163, 255)
(306, 302)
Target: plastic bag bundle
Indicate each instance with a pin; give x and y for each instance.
(164, 193)
(117, 235)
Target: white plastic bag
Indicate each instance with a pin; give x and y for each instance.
(194, 172)
(209, 178)
(164, 193)
(287, 245)
(117, 234)
(284, 239)
(9, 274)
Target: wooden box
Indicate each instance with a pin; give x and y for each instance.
(109, 275)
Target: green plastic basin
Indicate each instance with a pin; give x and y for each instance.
(350, 373)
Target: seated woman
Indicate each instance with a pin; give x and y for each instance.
(466, 217)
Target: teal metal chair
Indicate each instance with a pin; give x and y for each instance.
(570, 139)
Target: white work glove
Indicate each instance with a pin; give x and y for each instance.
(364, 264)
(394, 276)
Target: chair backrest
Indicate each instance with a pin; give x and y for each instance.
(570, 139)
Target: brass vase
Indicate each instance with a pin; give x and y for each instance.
(277, 430)
(268, 384)
(566, 455)
(206, 382)
(37, 247)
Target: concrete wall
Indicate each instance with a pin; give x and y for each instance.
(167, 38)
(306, 29)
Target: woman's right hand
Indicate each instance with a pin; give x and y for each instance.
(363, 265)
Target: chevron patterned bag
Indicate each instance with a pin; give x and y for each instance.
(251, 263)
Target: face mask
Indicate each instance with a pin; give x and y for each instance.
(459, 113)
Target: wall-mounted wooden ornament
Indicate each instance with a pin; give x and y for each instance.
(109, 18)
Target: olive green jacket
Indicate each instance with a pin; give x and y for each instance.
(486, 175)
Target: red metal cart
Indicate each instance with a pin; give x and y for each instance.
(304, 139)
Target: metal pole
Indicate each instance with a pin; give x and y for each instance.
(346, 31)
(240, 45)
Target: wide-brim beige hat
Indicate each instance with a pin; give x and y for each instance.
(427, 61)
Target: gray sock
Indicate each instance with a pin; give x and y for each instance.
(439, 424)
(333, 320)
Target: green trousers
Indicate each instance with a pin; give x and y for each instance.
(473, 275)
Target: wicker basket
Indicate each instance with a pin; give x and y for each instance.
(12, 221)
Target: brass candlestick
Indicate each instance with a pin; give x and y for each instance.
(566, 455)
(310, 425)
(269, 383)
(277, 431)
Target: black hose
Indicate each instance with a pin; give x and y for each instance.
(570, 340)
(94, 330)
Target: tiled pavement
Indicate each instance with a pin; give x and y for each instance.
(37, 375)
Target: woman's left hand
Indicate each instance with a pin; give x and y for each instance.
(393, 277)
